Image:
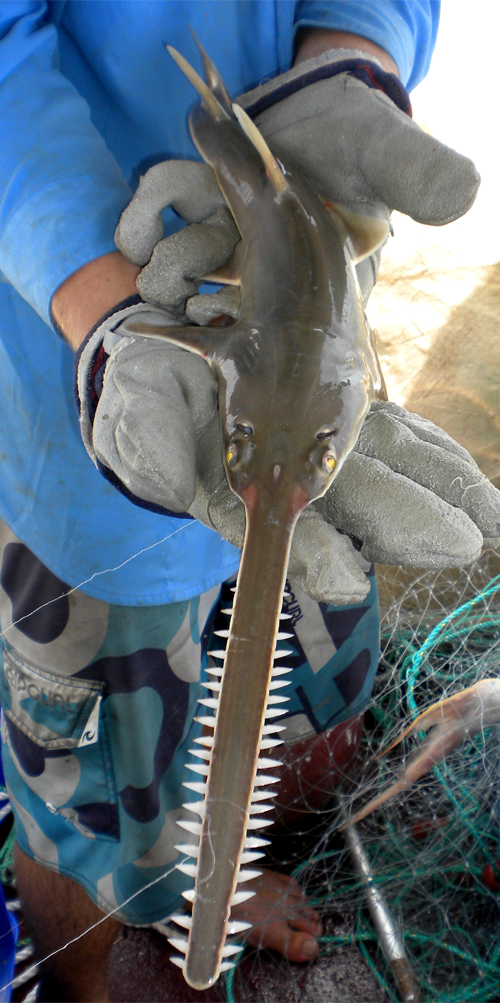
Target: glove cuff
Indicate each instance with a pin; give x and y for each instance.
(90, 361)
(90, 364)
(329, 64)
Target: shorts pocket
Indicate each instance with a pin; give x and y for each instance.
(51, 718)
(53, 710)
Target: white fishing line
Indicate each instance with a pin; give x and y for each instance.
(74, 589)
(72, 941)
(103, 571)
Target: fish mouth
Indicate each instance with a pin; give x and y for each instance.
(274, 502)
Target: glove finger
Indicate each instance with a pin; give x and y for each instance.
(205, 308)
(226, 514)
(214, 503)
(316, 130)
(324, 563)
(456, 480)
(355, 146)
(423, 428)
(179, 261)
(190, 188)
(400, 522)
(410, 170)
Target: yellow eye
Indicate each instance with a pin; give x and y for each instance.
(231, 455)
(329, 461)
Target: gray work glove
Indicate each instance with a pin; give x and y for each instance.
(177, 263)
(156, 426)
(408, 491)
(352, 143)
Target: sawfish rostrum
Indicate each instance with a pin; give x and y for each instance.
(296, 375)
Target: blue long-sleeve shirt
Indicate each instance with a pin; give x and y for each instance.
(89, 100)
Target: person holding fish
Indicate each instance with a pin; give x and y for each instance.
(108, 609)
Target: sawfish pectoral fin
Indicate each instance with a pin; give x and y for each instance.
(204, 341)
(366, 233)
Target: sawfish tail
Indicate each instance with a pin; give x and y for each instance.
(228, 140)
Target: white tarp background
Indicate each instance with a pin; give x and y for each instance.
(436, 306)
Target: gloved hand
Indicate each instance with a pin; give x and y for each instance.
(176, 264)
(354, 144)
(408, 490)
(156, 424)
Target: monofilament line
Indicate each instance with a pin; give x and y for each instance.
(103, 571)
(72, 941)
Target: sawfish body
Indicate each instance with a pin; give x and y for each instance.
(296, 375)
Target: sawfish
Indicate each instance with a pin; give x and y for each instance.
(296, 375)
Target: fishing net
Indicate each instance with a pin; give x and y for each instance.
(433, 849)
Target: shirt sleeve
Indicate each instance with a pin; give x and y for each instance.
(61, 190)
(406, 29)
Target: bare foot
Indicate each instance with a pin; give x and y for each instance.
(281, 917)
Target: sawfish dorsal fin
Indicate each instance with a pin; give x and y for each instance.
(209, 100)
(204, 341)
(213, 78)
(366, 233)
(273, 169)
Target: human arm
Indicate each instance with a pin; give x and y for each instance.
(70, 189)
(96, 287)
(90, 293)
(313, 42)
(66, 235)
(55, 168)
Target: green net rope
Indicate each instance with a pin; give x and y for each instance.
(7, 859)
(7, 853)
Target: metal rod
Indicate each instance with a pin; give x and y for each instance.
(387, 930)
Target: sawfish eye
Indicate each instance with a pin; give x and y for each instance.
(245, 427)
(328, 462)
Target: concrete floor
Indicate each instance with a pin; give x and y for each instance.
(140, 971)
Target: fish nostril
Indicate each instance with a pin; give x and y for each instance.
(245, 427)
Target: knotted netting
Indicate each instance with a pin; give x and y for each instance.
(433, 849)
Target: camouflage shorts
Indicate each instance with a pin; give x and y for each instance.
(98, 705)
